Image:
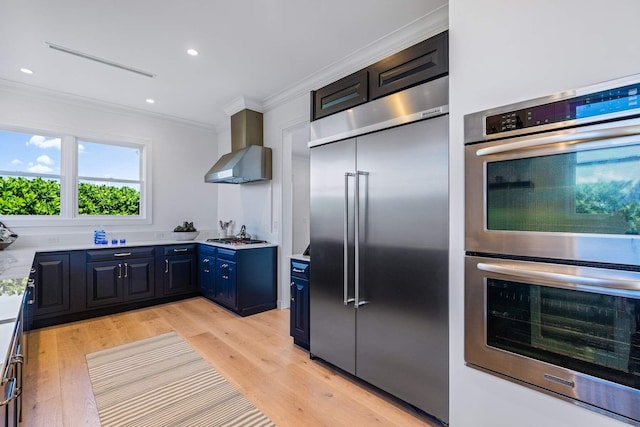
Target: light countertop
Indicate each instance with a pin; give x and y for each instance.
(301, 257)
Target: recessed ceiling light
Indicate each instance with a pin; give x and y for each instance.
(26, 70)
(192, 52)
(150, 101)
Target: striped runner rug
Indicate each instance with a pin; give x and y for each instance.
(162, 381)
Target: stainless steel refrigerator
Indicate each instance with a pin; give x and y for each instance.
(379, 246)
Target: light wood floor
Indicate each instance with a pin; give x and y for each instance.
(254, 353)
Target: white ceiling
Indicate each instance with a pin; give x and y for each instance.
(256, 49)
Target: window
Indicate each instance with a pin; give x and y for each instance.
(48, 179)
(109, 179)
(30, 174)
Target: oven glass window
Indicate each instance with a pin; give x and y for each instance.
(596, 334)
(595, 191)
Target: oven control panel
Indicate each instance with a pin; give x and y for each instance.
(592, 105)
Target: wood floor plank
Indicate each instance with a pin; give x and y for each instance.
(255, 354)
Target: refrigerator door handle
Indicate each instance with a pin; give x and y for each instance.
(357, 302)
(345, 278)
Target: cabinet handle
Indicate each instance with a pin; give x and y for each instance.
(126, 270)
(119, 271)
(33, 270)
(12, 391)
(181, 250)
(297, 270)
(166, 265)
(31, 285)
(293, 298)
(122, 254)
(206, 265)
(223, 267)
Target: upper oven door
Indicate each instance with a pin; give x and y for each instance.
(569, 194)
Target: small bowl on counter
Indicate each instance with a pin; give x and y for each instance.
(185, 235)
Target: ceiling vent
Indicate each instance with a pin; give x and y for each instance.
(99, 60)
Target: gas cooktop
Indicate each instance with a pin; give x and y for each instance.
(235, 241)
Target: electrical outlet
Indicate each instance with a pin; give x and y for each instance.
(159, 235)
(54, 239)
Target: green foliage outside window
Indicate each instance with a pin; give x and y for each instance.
(37, 196)
(106, 200)
(22, 196)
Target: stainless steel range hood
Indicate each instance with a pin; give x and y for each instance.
(249, 160)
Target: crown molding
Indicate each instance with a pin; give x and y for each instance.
(242, 103)
(420, 29)
(23, 89)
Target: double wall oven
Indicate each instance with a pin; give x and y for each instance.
(552, 241)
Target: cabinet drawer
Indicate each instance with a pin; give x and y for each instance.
(179, 249)
(339, 96)
(207, 250)
(300, 269)
(227, 254)
(417, 64)
(111, 254)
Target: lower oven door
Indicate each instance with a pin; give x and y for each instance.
(572, 331)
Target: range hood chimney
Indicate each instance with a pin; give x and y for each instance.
(248, 161)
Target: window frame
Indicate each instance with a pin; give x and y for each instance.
(69, 180)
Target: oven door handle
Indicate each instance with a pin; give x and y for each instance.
(602, 285)
(571, 136)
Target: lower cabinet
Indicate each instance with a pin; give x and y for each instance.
(80, 284)
(180, 269)
(51, 284)
(299, 307)
(207, 271)
(12, 376)
(226, 281)
(117, 276)
(125, 280)
(245, 279)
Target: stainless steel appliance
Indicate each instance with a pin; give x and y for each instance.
(249, 160)
(379, 244)
(552, 286)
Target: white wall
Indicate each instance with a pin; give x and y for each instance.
(503, 52)
(300, 181)
(181, 154)
(301, 200)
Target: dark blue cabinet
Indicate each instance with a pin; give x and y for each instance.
(226, 283)
(81, 284)
(180, 271)
(299, 308)
(116, 276)
(245, 279)
(51, 281)
(207, 271)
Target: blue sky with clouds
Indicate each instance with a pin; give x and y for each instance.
(41, 154)
(30, 153)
